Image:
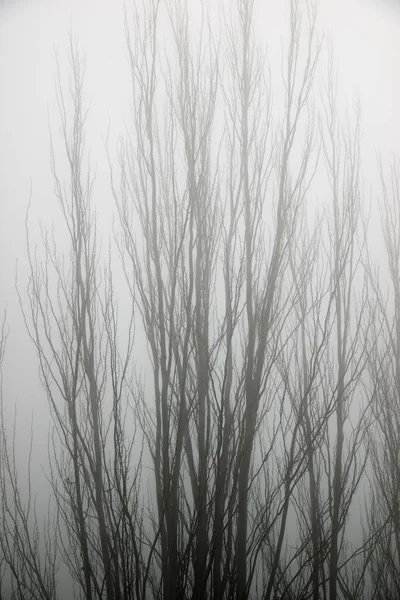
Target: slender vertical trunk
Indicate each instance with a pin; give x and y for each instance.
(341, 328)
(202, 399)
(251, 388)
(98, 475)
(224, 423)
(285, 509)
(85, 288)
(312, 483)
(314, 513)
(79, 516)
(337, 499)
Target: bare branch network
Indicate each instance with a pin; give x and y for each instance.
(215, 429)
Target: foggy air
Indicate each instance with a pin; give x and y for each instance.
(199, 301)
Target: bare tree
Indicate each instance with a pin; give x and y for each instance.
(172, 268)
(384, 371)
(187, 217)
(245, 403)
(73, 325)
(344, 466)
(29, 550)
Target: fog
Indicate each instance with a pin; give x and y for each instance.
(365, 37)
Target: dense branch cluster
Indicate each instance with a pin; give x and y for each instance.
(228, 464)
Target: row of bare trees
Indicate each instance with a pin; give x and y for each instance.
(218, 427)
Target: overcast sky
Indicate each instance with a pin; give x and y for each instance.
(366, 37)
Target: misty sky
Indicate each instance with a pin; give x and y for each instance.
(366, 37)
